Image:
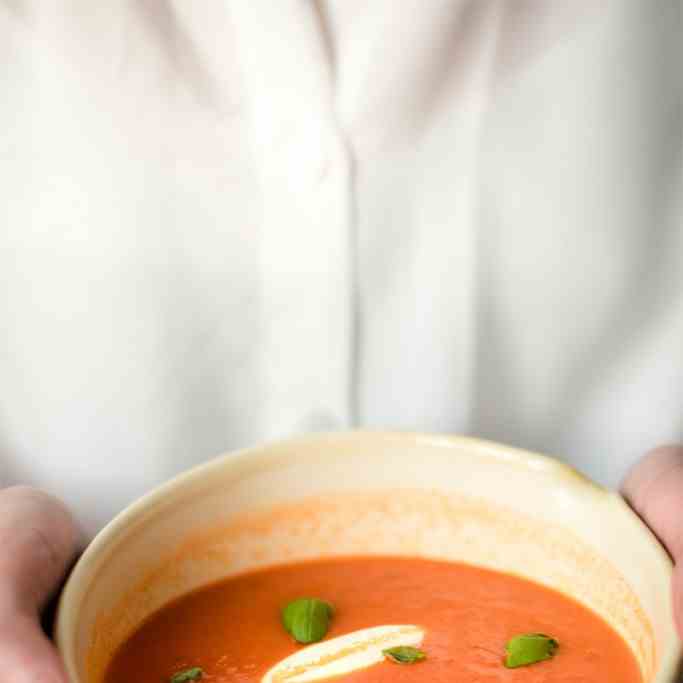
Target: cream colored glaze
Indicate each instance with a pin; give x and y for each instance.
(355, 493)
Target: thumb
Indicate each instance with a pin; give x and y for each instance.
(38, 538)
(654, 489)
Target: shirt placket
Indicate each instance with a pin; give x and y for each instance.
(305, 228)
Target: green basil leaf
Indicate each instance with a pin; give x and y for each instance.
(404, 654)
(529, 648)
(307, 619)
(193, 674)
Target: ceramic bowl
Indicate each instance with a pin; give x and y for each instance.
(372, 493)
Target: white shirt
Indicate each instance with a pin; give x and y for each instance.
(229, 221)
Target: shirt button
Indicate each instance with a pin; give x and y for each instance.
(324, 168)
(316, 160)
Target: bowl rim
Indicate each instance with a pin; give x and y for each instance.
(572, 478)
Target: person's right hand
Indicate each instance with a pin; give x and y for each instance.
(38, 542)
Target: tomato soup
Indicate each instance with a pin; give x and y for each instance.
(233, 631)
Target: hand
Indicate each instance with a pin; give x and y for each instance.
(38, 541)
(654, 489)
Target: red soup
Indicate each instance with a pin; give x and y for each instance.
(474, 623)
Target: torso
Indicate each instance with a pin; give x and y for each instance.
(236, 222)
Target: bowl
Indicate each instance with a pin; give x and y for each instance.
(353, 493)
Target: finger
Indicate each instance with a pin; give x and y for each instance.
(38, 538)
(26, 655)
(654, 488)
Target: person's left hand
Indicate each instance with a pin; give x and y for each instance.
(654, 489)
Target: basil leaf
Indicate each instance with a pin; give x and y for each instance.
(193, 674)
(404, 654)
(529, 648)
(307, 619)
